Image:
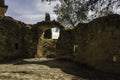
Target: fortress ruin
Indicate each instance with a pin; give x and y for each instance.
(96, 44)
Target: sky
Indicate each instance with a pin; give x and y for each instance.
(33, 11)
(30, 11)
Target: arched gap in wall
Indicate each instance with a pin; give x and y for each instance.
(47, 43)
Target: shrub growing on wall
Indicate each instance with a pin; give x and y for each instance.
(48, 33)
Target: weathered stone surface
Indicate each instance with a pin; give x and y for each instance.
(10, 38)
(22, 40)
(15, 39)
(99, 43)
(65, 43)
(40, 28)
(47, 48)
(96, 44)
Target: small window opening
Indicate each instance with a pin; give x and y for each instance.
(116, 58)
(16, 46)
(1, 29)
(53, 33)
(75, 47)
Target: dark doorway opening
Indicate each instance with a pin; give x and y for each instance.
(16, 46)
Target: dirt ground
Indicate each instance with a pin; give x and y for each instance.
(50, 69)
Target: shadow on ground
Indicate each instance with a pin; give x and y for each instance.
(74, 68)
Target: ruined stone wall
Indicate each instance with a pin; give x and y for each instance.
(16, 39)
(95, 44)
(28, 41)
(22, 40)
(10, 38)
(64, 45)
(98, 43)
(40, 28)
(47, 48)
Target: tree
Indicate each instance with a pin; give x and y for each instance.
(72, 11)
(47, 33)
(68, 12)
(47, 17)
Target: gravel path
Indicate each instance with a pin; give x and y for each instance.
(48, 69)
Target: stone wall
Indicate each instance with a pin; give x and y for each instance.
(47, 48)
(10, 38)
(28, 41)
(40, 28)
(22, 40)
(99, 43)
(64, 45)
(96, 44)
(15, 39)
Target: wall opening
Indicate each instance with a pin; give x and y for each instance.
(47, 43)
(116, 58)
(52, 33)
(48, 34)
(55, 33)
(16, 46)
